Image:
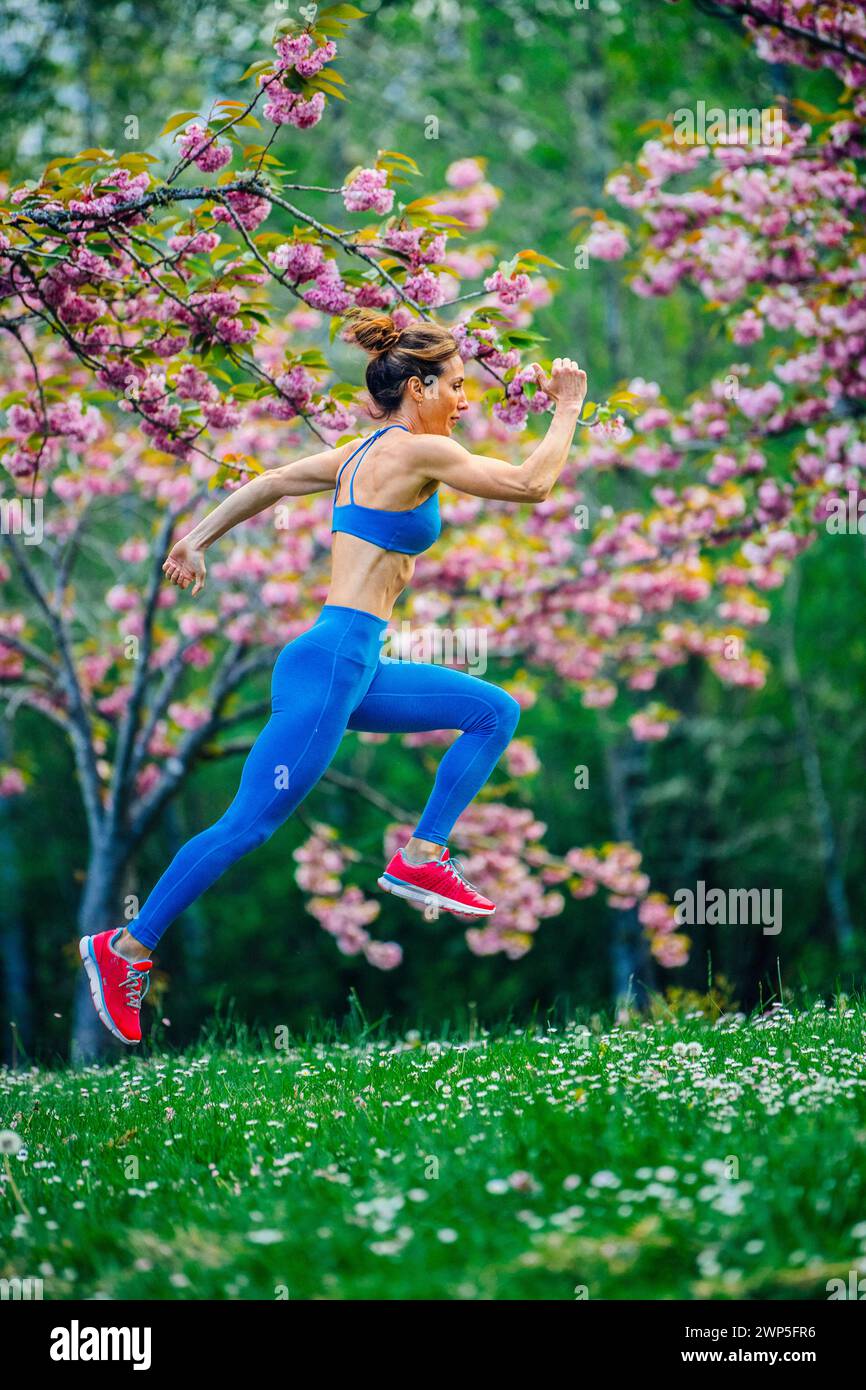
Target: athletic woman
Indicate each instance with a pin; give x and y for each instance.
(330, 678)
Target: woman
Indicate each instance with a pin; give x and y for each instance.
(330, 678)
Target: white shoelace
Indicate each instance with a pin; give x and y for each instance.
(135, 986)
(456, 868)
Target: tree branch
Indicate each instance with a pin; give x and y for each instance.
(717, 9)
(233, 669)
(80, 730)
(129, 722)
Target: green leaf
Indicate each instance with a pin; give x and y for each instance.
(537, 257)
(95, 156)
(270, 238)
(340, 12)
(178, 119)
(444, 219)
(344, 392)
(312, 357)
(385, 157)
(522, 337)
(255, 68)
(136, 160)
(83, 174)
(482, 318)
(320, 83)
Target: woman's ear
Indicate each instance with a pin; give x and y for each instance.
(415, 387)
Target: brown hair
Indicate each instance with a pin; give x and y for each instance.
(420, 349)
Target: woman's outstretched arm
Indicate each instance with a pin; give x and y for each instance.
(530, 481)
(316, 473)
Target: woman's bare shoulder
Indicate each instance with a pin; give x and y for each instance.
(433, 445)
(339, 453)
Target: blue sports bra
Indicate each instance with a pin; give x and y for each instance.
(408, 532)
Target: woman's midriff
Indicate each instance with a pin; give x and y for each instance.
(365, 576)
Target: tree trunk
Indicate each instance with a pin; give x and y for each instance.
(13, 956)
(828, 839)
(192, 922)
(630, 958)
(97, 912)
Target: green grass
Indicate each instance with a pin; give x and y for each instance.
(676, 1158)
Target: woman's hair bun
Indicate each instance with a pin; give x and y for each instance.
(372, 330)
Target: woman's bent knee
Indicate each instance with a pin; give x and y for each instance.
(508, 713)
(498, 717)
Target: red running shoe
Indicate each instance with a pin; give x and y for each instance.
(437, 883)
(117, 985)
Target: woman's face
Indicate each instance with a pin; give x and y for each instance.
(443, 400)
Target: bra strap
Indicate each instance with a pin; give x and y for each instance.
(362, 445)
(362, 451)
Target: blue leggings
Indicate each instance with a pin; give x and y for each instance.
(327, 680)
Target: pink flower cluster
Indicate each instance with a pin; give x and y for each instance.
(297, 387)
(197, 143)
(606, 242)
(658, 917)
(473, 199)
(417, 244)
(368, 191)
(481, 343)
(297, 51)
(509, 289)
(513, 411)
(328, 292)
(285, 107)
(67, 424)
(194, 243)
(651, 724)
(298, 260)
(124, 187)
(301, 260)
(342, 912)
(426, 287)
(11, 782)
(249, 208)
(216, 314)
(192, 384)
